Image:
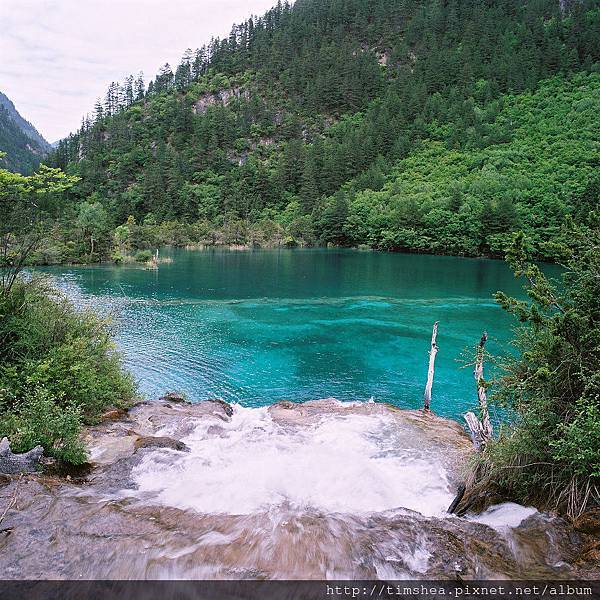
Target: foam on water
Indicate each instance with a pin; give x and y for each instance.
(346, 464)
(504, 516)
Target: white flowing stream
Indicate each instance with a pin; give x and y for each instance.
(345, 464)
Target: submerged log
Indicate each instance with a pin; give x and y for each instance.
(431, 370)
(480, 428)
(12, 464)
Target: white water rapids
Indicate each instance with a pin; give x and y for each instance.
(318, 490)
(346, 464)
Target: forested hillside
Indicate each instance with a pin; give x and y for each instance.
(19, 140)
(469, 199)
(426, 126)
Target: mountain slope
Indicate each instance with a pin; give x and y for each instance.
(281, 125)
(465, 200)
(19, 139)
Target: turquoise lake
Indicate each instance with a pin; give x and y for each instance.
(255, 327)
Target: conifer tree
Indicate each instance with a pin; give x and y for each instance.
(140, 86)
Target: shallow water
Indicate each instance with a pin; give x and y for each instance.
(261, 326)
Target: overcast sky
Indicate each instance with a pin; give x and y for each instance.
(58, 56)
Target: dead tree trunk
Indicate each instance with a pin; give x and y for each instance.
(481, 428)
(153, 262)
(431, 370)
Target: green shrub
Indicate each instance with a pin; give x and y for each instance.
(39, 419)
(551, 454)
(143, 256)
(58, 369)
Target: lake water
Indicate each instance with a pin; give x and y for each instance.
(261, 326)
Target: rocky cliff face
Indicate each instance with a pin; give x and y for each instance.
(222, 97)
(315, 490)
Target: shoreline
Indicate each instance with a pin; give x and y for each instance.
(248, 248)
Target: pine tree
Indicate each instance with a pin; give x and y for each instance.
(140, 86)
(164, 79)
(309, 191)
(128, 91)
(98, 110)
(183, 74)
(198, 63)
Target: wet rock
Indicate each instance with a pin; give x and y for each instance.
(227, 408)
(106, 446)
(77, 473)
(590, 554)
(589, 522)
(215, 430)
(546, 540)
(121, 539)
(116, 478)
(160, 442)
(286, 404)
(174, 397)
(170, 421)
(113, 415)
(419, 429)
(27, 462)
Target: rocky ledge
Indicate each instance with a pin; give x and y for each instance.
(115, 520)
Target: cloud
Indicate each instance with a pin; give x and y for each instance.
(58, 56)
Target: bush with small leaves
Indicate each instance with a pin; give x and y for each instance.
(40, 419)
(143, 256)
(58, 369)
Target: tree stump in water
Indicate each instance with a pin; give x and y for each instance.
(431, 370)
(472, 493)
(481, 429)
(13, 464)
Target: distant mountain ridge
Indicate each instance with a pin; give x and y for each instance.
(24, 146)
